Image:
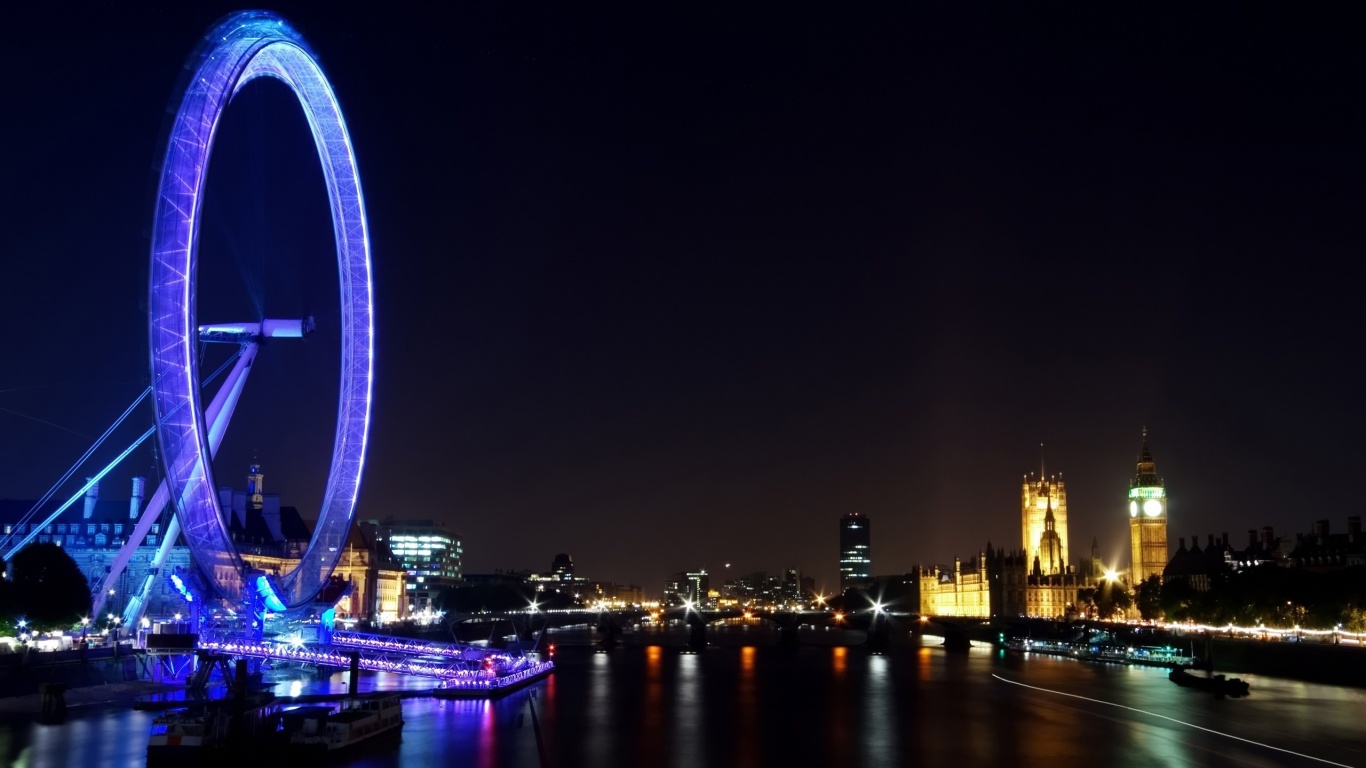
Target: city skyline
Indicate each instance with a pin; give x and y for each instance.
(665, 289)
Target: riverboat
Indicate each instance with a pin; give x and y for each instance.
(357, 723)
(211, 731)
(1216, 684)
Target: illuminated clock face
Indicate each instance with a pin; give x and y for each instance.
(1152, 507)
(1133, 509)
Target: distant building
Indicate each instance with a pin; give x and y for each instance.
(562, 568)
(963, 591)
(1043, 523)
(268, 536)
(698, 586)
(1325, 552)
(92, 532)
(378, 594)
(1035, 580)
(1147, 519)
(856, 552)
(428, 552)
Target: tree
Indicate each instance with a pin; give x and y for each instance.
(1149, 598)
(1086, 602)
(1180, 601)
(48, 590)
(1112, 600)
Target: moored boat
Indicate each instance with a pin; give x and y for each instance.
(357, 723)
(211, 730)
(1217, 684)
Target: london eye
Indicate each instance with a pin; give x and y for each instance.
(239, 50)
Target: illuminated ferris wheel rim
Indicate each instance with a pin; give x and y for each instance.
(241, 48)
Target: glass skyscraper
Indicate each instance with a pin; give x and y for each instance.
(856, 554)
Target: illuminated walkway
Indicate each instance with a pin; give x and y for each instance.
(492, 671)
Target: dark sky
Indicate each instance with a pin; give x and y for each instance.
(666, 288)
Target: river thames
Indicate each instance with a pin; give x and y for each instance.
(747, 703)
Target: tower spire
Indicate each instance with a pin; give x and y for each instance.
(1147, 468)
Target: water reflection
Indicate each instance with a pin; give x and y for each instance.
(598, 727)
(747, 702)
(838, 720)
(768, 706)
(879, 738)
(488, 738)
(650, 731)
(689, 733)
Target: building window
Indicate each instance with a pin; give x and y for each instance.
(90, 529)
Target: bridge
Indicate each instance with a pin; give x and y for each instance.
(877, 622)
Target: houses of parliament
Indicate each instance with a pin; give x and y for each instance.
(1036, 580)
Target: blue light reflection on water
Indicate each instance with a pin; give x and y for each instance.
(766, 706)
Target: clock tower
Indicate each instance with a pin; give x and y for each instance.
(1147, 519)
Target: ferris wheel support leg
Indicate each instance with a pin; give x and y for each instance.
(216, 417)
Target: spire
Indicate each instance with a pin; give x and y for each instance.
(1147, 468)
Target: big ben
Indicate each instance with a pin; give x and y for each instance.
(1147, 519)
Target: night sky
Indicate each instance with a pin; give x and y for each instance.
(667, 288)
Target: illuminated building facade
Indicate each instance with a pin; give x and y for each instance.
(93, 533)
(1036, 580)
(856, 551)
(1147, 519)
(698, 587)
(428, 552)
(964, 591)
(1043, 523)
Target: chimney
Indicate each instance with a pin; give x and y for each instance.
(1354, 527)
(1268, 537)
(1183, 543)
(1225, 539)
(1209, 541)
(1252, 538)
(1321, 530)
(92, 495)
(135, 502)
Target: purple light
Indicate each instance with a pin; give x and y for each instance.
(240, 49)
(452, 675)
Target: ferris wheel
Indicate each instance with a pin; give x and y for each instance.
(242, 48)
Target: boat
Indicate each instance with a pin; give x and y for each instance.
(211, 731)
(1216, 684)
(356, 723)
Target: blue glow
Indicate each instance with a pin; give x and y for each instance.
(268, 596)
(242, 48)
(182, 587)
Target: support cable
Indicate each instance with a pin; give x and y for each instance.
(36, 529)
(79, 462)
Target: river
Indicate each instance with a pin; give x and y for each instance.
(747, 703)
